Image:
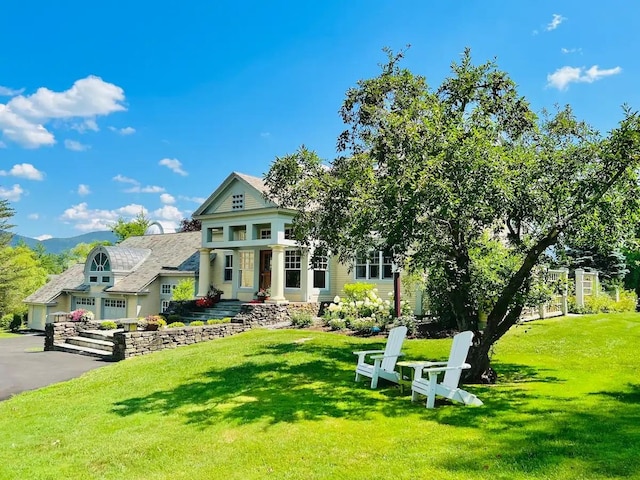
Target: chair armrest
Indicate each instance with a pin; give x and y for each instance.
(366, 352)
(376, 357)
(437, 370)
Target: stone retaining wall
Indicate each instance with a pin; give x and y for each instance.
(311, 308)
(131, 344)
(59, 331)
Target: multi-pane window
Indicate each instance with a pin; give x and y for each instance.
(320, 270)
(374, 266)
(90, 301)
(164, 304)
(239, 233)
(106, 279)
(110, 302)
(265, 233)
(292, 268)
(167, 288)
(237, 201)
(100, 263)
(93, 279)
(228, 267)
(288, 233)
(245, 269)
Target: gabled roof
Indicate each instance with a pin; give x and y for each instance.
(70, 279)
(254, 182)
(144, 258)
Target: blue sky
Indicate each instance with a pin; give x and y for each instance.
(112, 108)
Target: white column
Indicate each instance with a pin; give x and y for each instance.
(277, 274)
(204, 277)
(579, 287)
(565, 290)
(305, 274)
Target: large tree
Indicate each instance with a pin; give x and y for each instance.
(426, 174)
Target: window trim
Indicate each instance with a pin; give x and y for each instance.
(246, 265)
(322, 261)
(293, 265)
(380, 265)
(227, 271)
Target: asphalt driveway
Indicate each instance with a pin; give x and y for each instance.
(24, 366)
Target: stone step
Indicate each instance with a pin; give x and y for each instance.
(92, 352)
(106, 335)
(93, 343)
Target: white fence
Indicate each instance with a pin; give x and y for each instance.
(558, 304)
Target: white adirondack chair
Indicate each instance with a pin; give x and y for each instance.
(452, 369)
(384, 361)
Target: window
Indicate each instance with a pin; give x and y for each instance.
(237, 201)
(110, 302)
(228, 267)
(288, 232)
(167, 288)
(106, 279)
(239, 233)
(93, 279)
(320, 269)
(100, 263)
(374, 266)
(85, 301)
(265, 233)
(245, 269)
(164, 304)
(292, 263)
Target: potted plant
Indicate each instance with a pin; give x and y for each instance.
(214, 294)
(263, 294)
(155, 322)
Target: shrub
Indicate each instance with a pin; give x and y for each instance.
(197, 323)
(408, 321)
(301, 319)
(80, 315)
(603, 303)
(108, 325)
(5, 321)
(175, 325)
(16, 323)
(358, 290)
(174, 318)
(185, 290)
(337, 324)
(217, 321)
(364, 325)
(154, 322)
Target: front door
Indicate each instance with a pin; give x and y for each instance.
(265, 269)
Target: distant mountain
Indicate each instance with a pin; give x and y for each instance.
(57, 245)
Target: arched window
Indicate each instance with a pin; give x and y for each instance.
(100, 263)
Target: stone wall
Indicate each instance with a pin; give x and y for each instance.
(311, 308)
(59, 331)
(131, 344)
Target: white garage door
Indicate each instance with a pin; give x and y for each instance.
(113, 309)
(86, 303)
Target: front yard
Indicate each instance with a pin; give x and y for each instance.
(283, 404)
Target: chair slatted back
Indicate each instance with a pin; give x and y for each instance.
(458, 355)
(394, 346)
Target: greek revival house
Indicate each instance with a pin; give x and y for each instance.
(254, 250)
(131, 279)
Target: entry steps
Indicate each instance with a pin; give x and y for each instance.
(94, 343)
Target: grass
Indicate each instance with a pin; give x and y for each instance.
(283, 405)
(6, 334)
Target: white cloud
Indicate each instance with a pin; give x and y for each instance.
(9, 92)
(168, 213)
(562, 77)
(123, 179)
(76, 146)
(88, 124)
(22, 131)
(12, 194)
(22, 119)
(265, 134)
(570, 50)
(86, 219)
(123, 131)
(83, 189)
(147, 189)
(199, 200)
(555, 22)
(46, 236)
(24, 170)
(33, 216)
(167, 199)
(174, 165)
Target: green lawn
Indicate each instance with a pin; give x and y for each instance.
(5, 334)
(283, 405)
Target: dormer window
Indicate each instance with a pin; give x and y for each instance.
(237, 201)
(100, 263)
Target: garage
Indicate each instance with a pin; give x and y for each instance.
(114, 308)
